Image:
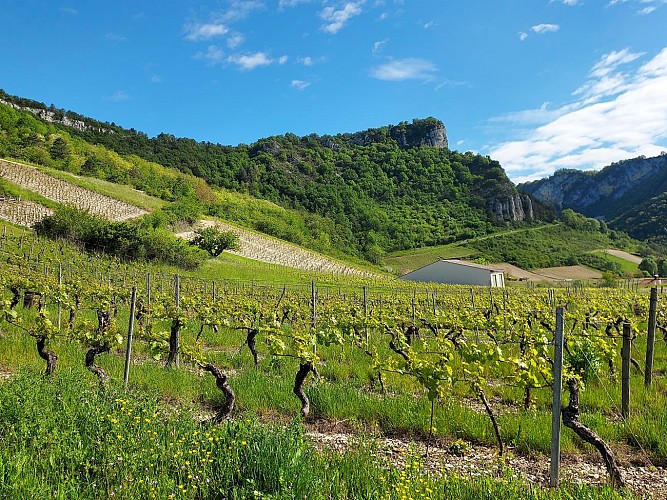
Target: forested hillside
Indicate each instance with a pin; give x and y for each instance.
(364, 194)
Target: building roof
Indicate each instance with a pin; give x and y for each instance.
(459, 262)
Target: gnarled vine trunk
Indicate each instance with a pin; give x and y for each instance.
(304, 370)
(571, 420)
(48, 356)
(489, 412)
(101, 374)
(221, 383)
(174, 341)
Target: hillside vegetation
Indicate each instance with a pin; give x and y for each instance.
(361, 194)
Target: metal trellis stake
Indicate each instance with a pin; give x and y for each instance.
(558, 398)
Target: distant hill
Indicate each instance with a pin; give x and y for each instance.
(630, 195)
(363, 194)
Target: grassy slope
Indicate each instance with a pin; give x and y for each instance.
(528, 248)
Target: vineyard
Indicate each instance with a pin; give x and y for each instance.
(450, 366)
(61, 192)
(253, 245)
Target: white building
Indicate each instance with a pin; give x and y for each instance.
(457, 272)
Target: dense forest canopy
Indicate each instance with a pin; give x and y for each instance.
(363, 194)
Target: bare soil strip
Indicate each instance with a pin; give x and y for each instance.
(624, 255)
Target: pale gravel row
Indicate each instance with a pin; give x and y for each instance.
(263, 248)
(23, 213)
(479, 461)
(66, 193)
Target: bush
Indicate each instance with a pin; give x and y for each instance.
(125, 240)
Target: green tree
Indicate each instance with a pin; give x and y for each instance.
(649, 265)
(59, 149)
(215, 241)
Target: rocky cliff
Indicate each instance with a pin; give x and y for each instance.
(604, 194)
(428, 132)
(513, 208)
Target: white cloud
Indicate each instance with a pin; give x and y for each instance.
(283, 59)
(429, 25)
(300, 84)
(252, 61)
(196, 32)
(156, 79)
(545, 28)
(69, 10)
(566, 2)
(235, 40)
(523, 35)
(306, 61)
(291, 3)
(240, 9)
(335, 20)
(213, 55)
(651, 5)
(624, 122)
(405, 69)
(377, 46)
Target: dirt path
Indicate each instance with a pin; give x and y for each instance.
(257, 246)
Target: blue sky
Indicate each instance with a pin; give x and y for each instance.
(536, 84)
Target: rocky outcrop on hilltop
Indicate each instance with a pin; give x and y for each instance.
(428, 132)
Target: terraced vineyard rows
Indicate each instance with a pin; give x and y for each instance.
(68, 194)
(21, 212)
(259, 247)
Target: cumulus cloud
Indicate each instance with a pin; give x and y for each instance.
(213, 55)
(625, 120)
(566, 2)
(306, 61)
(235, 40)
(336, 18)
(256, 60)
(240, 9)
(405, 69)
(523, 35)
(545, 28)
(196, 32)
(300, 84)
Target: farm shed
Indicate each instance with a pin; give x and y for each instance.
(457, 272)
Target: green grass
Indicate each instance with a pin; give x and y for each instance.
(628, 268)
(63, 438)
(117, 191)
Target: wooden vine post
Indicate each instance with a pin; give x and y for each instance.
(625, 370)
(650, 340)
(130, 332)
(557, 398)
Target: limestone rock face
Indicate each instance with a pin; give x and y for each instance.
(428, 132)
(593, 193)
(513, 208)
